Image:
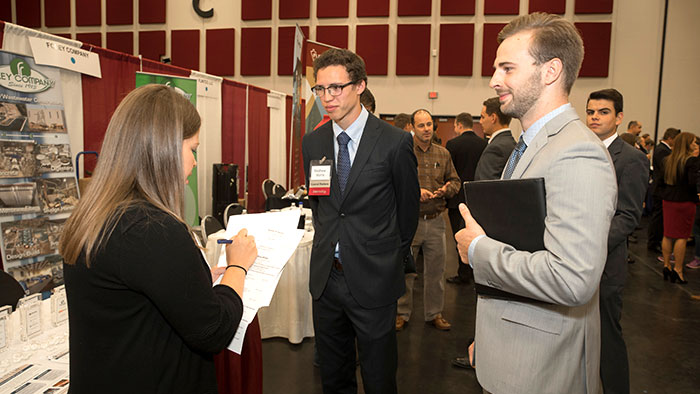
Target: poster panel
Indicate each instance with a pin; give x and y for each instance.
(38, 188)
(314, 109)
(296, 176)
(188, 88)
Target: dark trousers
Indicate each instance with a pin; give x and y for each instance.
(338, 321)
(614, 367)
(464, 271)
(656, 223)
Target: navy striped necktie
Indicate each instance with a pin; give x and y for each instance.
(343, 166)
(514, 158)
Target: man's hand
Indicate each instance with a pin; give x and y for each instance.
(465, 236)
(425, 195)
(441, 191)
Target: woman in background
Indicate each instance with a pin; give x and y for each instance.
(679, 199)
(143, 314)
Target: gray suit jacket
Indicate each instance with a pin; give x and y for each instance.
(494, 158)
(632, 172)
(539, 348)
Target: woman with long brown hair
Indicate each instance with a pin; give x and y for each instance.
(680, 197)
(143, 314)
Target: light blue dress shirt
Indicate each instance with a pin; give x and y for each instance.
(528, 135)
(354, 131)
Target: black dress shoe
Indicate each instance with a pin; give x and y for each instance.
(667, 273)
(675, 277)
(461, 362)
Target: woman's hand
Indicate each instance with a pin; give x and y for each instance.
(216, 272)
(242, 251)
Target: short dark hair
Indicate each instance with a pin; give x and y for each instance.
(552, 37)
(401, 120)
(610, 95)
(671, 133)
(367, 100)
(632, 123)
(352, 62)
(413, 115)
(465, 119)
(493, 106)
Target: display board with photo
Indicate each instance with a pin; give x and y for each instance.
(13, 116)
(41, 276)
(19, 198)
(17, 159)
(30, 238)
(38, 186)
(45, 119)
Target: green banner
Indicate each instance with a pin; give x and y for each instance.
(188, 88)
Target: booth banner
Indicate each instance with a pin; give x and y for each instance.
(57, 54)
(38, 188)
(188, 88)
(207, 85)
(295, 160)
(209, 152)
(314, 109)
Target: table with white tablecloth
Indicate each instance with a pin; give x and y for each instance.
(290, 312)
(37, 364)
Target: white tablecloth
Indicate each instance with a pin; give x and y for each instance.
(38, 352)
(289, 313)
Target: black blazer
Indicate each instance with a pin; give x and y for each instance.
(374, 220)
(657, 159)
(632, 172)
(495, 156)
(686, 188)
(465, 150)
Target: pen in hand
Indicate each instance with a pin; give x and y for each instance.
(223, 241)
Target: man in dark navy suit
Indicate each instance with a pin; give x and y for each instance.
(501, 142)
(465, 150)
(604, 114)
(364, 224)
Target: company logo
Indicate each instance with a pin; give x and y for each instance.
(184, 94)
(19, 76)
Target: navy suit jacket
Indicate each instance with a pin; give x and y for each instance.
(374, 220)
(657, 159)
(495, 156)
(465, 150)
(632, 172)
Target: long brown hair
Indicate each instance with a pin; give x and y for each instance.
(140, 161)
(674, 163)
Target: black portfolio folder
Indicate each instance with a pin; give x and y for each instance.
(511, 211)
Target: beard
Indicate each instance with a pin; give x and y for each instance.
(525, 97)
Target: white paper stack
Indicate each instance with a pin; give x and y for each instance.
(276, 237)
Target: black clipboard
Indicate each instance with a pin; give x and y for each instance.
(511, 211)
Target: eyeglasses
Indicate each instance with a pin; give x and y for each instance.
(334, 90)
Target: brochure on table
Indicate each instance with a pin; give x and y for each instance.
(38, 186)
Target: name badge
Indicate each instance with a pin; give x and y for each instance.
(320, 177)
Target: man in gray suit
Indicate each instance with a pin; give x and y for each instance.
(490, 166)
(501, 143)
(603, 115)
(552, 344)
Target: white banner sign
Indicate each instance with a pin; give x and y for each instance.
(54, 53)
(207, 85)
